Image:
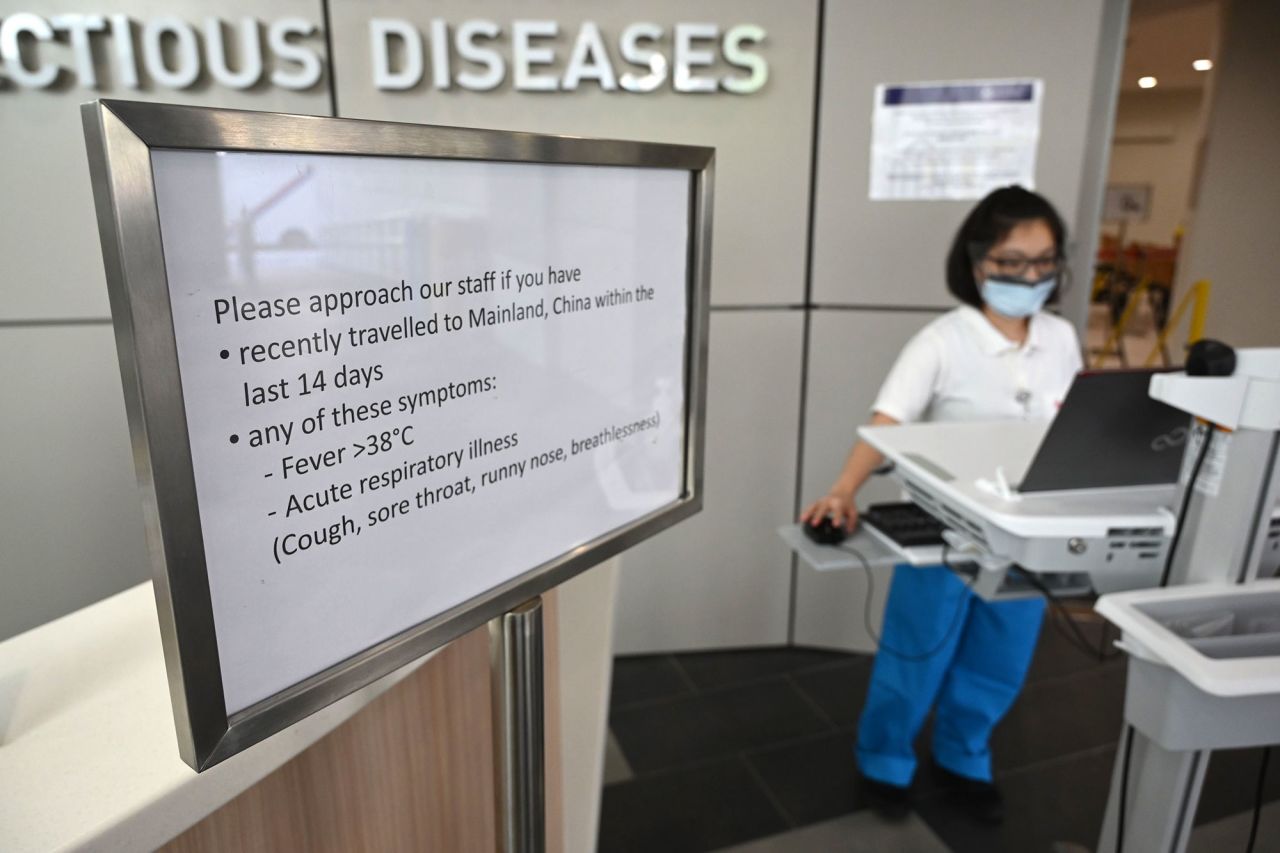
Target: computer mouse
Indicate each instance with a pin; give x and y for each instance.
(825, 532)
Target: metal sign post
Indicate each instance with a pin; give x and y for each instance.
(515, 647)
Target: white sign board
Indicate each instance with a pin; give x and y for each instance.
(438, 374)
(401, 390)
(954, 140)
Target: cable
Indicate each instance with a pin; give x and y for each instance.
(866, 610)
(1257, 799)
(1124, 786)
(1186, 504)
(1076, 637)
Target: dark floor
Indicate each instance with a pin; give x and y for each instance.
(727, 747)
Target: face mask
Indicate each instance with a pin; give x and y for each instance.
(1017, 300)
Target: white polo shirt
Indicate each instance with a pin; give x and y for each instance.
(960, 368)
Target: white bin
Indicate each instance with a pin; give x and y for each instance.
(1204, 663)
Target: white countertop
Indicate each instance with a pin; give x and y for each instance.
(88, 752)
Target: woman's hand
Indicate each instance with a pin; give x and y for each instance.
(838, 503)
(838, 506)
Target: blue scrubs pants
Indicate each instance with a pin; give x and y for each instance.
(979, 666)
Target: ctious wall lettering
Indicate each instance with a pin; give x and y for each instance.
(476, 54)
(172, 52)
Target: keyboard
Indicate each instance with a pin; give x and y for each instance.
(905, 524)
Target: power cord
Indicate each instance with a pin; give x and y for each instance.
(1124, 786)
(866, 609)
(1207, 432)
(1076, 637)
(1257, 799)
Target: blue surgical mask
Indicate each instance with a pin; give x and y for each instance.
(1017, 299)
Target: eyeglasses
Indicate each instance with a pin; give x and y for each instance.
(1017, 266)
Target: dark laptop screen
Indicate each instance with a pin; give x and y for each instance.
(1110, 433)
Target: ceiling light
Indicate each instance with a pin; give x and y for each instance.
(1147, 82)
(1202, 64)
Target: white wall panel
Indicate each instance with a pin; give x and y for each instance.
(762, 140)
(891, 252)
(850, 352)
(52, 259)
(1232, 237)
(70, 513)
(722, 578)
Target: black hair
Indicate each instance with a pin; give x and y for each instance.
(989, 223)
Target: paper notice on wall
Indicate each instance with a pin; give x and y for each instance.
(954, 140)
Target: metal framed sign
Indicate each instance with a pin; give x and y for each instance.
(387, 381)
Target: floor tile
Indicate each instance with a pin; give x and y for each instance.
(669, 734)
(812, 780)
(862, 832)
(646, 678)
(1060, 716)
(694, 809)
(1059, 801)
(839, 690)
(765, 712)
(616, 766)
(721, 765)
(710, 670)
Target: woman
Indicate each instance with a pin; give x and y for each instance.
(996, 356)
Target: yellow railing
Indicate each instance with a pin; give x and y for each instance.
(1101, 280)
(1197, 298)
(1115, 340)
